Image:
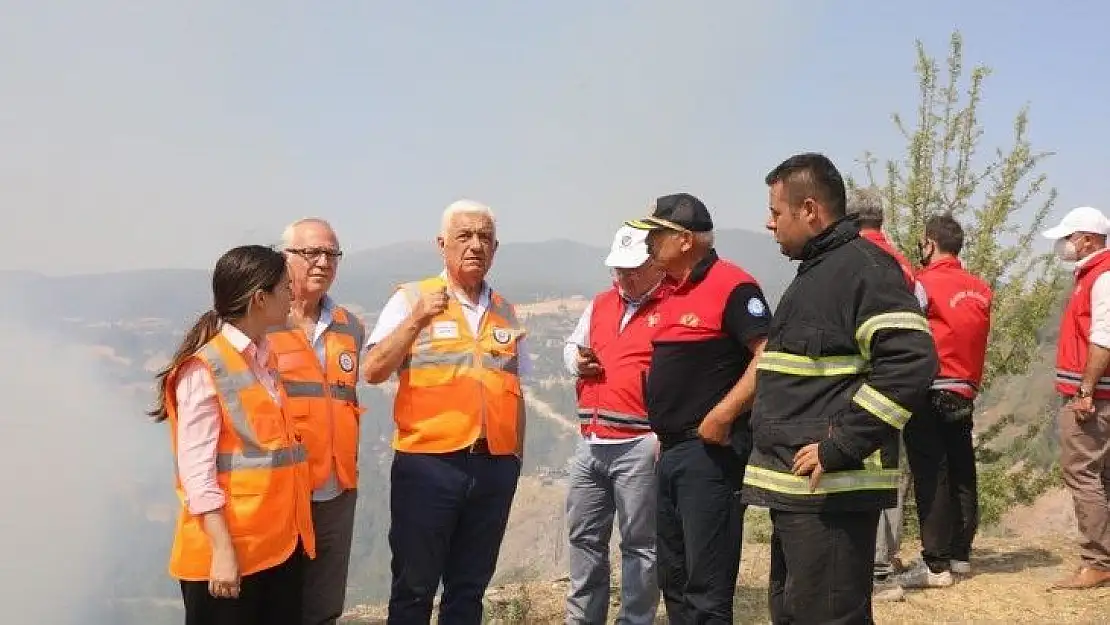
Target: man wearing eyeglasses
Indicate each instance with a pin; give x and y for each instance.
(317, 356)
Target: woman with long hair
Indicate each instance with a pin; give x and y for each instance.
(245, 525)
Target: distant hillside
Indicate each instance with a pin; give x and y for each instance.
(524, 272)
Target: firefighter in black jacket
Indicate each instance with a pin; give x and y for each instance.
(848, 357)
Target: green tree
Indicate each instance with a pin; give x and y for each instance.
(1001, 201)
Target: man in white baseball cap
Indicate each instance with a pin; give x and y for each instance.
(1084, 227)
(1082, 360)
(612, 473)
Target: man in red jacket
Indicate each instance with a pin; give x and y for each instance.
(938, 438)
(1082, 359)
(612, 473)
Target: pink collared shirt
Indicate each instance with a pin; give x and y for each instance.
(198, 421)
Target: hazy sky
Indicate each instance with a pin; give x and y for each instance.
(155, 134)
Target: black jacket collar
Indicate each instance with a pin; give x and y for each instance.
(838, 233)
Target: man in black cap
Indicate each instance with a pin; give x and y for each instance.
(698, 392)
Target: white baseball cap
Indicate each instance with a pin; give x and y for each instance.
(1081, 219)
(629, 248)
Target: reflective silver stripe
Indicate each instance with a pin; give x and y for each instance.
(502, 308)
(270, 459)
(620, 419)
(343, 322)
(1074, 379)
(509, 363)
(822, 366)
(425, 359)
(954, 384)
(228, 387)
(888, 321)
(881, 406)
(341, 392)
(835, 482)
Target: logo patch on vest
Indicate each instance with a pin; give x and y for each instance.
(347, 362)
(756, 307)
(501, 335)
(653, 320)
(689, 320)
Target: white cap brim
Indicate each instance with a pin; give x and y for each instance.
(1058, 232)
(625, 259)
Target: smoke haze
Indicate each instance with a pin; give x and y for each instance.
(71, 444)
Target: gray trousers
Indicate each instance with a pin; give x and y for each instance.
(888, 539)
(610, 481)
(325, 576)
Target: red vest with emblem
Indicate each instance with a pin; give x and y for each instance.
(879, 239)
(960, 321)
(322, 401)
(612, 405)
(1075, 330)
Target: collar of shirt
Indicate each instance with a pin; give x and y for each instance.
(325, 319)
(483, 295)
(697, 273)
(1090, 258)
(941, 263)
(259, 352)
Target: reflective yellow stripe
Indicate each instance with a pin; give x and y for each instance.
(793, 364)
(888, 321)
(881, 406)
(874, 462)
(837, 482)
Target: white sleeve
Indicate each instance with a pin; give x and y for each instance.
(922, 296)
(580, 336)
(392, 316)
(1100, 311)
(523, 359)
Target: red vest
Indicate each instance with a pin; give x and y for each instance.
(960, 320)
(879, 239)
(1075, 330)
(612, 405)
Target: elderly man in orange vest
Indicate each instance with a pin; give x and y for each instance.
(456, 346)
(317, 357)
(612, 473)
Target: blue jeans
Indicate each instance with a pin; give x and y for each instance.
(447, 517)
(612, 482)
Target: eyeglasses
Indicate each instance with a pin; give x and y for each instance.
(313, 254)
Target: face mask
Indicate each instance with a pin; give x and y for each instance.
(923, 257)
(1066, 251)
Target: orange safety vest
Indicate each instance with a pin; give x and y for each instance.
(321, 400)
(260, 467)
(454, 386)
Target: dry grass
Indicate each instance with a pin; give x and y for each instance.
(1010, 585)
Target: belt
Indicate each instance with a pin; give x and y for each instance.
(670, 439)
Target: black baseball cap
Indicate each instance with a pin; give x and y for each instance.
(679, 211)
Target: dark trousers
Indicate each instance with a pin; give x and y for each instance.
(942, 462)
(269, 597)
(447, 518)
(325, 576)
(821, 565)
(700, 530)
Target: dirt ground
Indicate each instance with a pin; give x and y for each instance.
(1009, 585)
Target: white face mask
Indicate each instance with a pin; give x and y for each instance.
(1066, 251)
